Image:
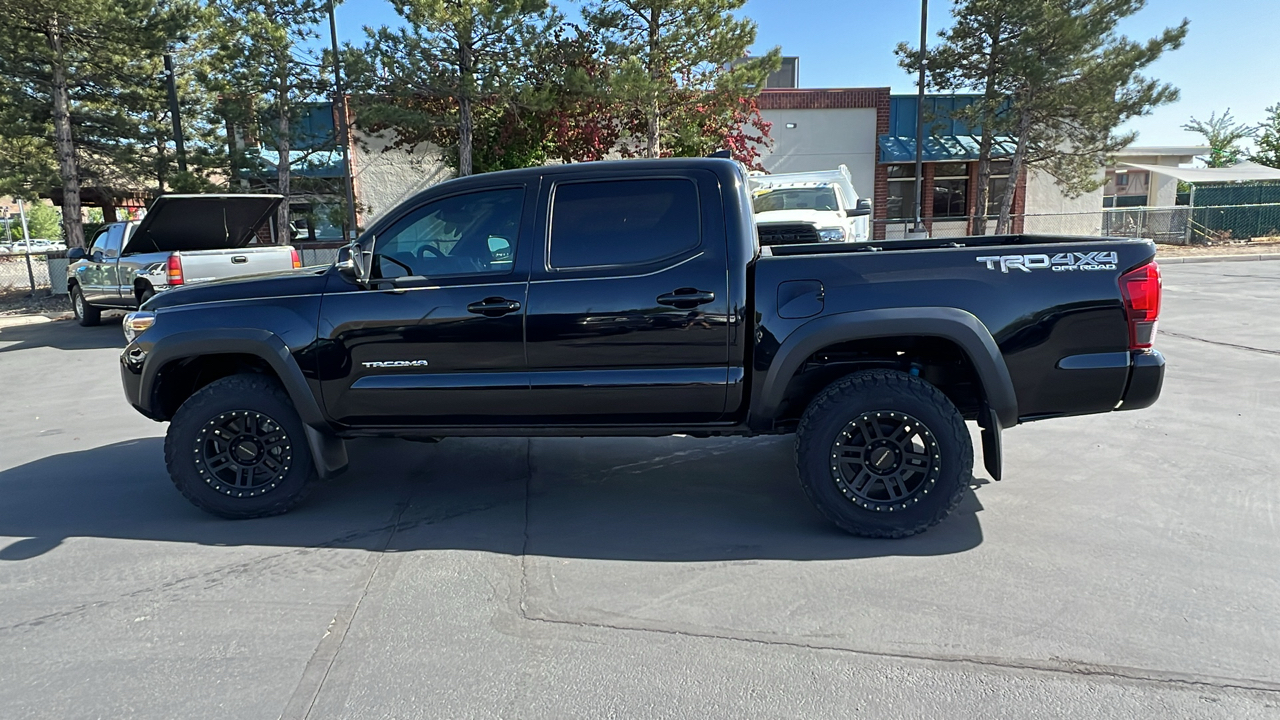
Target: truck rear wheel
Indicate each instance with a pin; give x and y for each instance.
(883, 454)
(237, 449)
(86, 314)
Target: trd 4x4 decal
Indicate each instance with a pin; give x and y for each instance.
(1061, 262)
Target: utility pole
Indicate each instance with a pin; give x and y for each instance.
(344, 130)
(172, 82)
(919, 230)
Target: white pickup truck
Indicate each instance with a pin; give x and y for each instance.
(809, 207)
(182, 240)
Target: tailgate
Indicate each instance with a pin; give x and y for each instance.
(204, 265)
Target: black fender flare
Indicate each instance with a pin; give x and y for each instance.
(958, 326)
(327, 449)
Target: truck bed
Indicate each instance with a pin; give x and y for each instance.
(1052, 304)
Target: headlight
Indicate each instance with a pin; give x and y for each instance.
(135, 323)
(831, 234)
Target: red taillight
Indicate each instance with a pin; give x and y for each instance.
(175, 269)
(297, 261)
(1141, 291)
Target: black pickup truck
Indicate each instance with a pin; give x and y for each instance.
(633, 298)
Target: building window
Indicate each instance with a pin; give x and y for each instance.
(901, 202)
(950, 190)
(996, 187)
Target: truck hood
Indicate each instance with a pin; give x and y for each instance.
(303, 281)
(201, 222)
(817, 218)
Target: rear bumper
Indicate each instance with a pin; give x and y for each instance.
(1146, 377)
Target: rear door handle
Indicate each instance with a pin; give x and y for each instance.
(239, 259)
(686, 298)
(493, 307)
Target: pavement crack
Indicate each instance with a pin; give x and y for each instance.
(316, 672)
(524, 545)
(1219, 342)
(1056, 666)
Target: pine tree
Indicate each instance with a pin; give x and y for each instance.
(77, 79)
(1066, 80)
(456, 61)
(1223, 135)
(1268, 139)
(268, 70)
(677, 65)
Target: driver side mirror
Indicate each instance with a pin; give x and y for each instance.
(353, 261)
(75, 254)
(863, 208)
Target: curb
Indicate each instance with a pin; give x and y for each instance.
(32, 319)
(1215, 258)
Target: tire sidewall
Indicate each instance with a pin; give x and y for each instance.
(894, 394)
(234, 394)
(81, 308)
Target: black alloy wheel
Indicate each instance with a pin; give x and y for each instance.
(243, 453)
(885, 460)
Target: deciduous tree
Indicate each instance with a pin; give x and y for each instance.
(1268, 139)
(1223, 135)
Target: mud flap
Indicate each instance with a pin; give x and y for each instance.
(328, 452)
(991, 458)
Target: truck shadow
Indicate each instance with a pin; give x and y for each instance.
(64, 335)
(660, 499)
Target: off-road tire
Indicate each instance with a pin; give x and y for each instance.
(86, 314)
(869, 394)
(246, 398)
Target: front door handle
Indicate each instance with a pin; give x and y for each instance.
(493, 307)
(686, 298)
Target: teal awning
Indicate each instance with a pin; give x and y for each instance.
(941, 148)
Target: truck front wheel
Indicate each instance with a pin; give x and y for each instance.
(86, 314)
(236, 448)
(883, 454)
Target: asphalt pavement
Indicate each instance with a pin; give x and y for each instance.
(1125, 567)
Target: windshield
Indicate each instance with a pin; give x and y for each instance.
(818, 198)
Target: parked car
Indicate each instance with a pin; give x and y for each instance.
(183, 240)
(809, 207)
(632, 298)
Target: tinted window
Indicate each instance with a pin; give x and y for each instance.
(107, 242)
(462, 235)
(628, 222)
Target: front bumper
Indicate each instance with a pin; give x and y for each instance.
(1146, 377)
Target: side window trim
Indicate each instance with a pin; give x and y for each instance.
(647, 267)
(377, 238)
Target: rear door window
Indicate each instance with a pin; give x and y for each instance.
(623, 222)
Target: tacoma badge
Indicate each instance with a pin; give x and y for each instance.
(395, 363)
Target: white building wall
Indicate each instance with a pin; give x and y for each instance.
(823, 140)
(1050, 211)
(386, 177)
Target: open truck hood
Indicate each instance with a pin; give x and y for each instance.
(201, 222)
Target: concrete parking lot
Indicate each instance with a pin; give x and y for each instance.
(1126, 567)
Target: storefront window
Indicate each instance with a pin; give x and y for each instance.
(950, 190)
(902, 192)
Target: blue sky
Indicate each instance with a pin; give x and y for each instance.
(1229, 60)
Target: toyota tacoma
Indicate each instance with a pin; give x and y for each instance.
(633, 298)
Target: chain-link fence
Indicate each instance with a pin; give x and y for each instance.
(1177, 225)
(28, 272)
